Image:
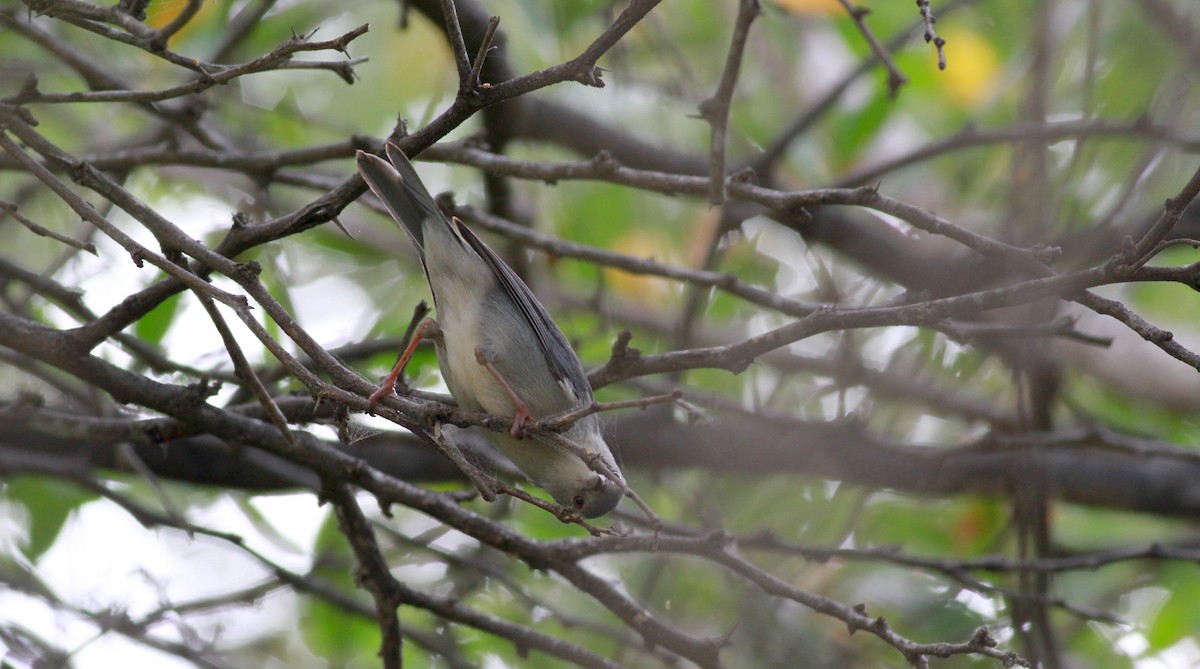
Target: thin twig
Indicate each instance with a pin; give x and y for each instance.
(244, 369)
(138, 252)
(163, 35)
(485, 46)
(715, 110)
(971, 136)
(930, 34)
(457, 45)
(604, 168)
(277, 59)
(565, 420)
(1144, 249)
(896, 79)
(12, 210)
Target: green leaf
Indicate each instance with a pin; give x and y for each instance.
(341, 638)
(1179, 617)
(153, 326)
(49, 503)
(854, 131)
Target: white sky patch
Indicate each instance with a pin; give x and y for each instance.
(132, 570)
(295, 519)
(885, 343)
(1133, 644)
(843, 402)
(266, 90)
(122, 555)
(977, 603)
(823, 51)
(788, 249)
(898, 136)
(104, 276)
(1144, 603)
(195, 331)
(14, 523)
(295, 516)
(333, 309)
(898, 224)
(1183, 655)
(112, 650)
(931, 428)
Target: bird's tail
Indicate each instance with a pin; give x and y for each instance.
(397, 185)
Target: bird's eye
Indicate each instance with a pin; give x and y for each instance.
(578, 501)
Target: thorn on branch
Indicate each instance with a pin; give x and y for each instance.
(740, 363)
(604, 163)
(18, 413)
(345, 71)
(725, 640)
(340, 43)
(248, 271)
(855, 624)
(590, 75)
(719, 539)
(399, 131)
(1162, 336)
(175, 255)
(983, 639)
(203, 389)
(621, 351)
(28, 93)
(1046, 253)
(745, 175)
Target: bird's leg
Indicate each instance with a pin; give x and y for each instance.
(428, 329)
(522, 415)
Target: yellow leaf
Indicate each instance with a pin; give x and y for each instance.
(971, 68)
(161, 13)
(811, 6)
(639, 287)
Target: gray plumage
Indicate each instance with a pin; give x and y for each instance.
(483, 305)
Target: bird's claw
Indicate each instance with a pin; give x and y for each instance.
(519, 420)
(380, 393)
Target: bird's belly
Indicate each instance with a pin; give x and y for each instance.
(471, 384)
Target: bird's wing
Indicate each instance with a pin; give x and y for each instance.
(560, 356)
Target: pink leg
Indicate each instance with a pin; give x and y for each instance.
(523, 415)
(388, 386)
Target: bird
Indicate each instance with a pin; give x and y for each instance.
(498, 349)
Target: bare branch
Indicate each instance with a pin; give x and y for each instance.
(715, 110)
(896, 79)
(930, 34)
